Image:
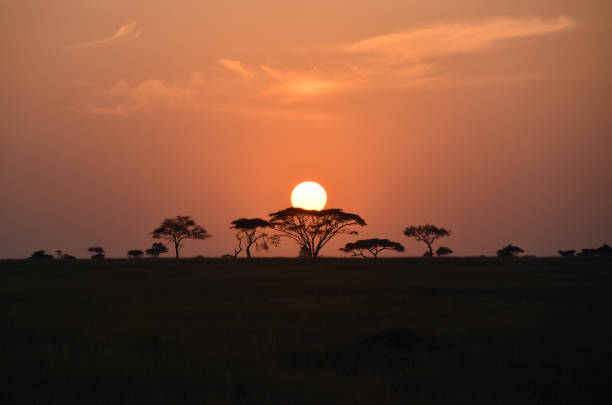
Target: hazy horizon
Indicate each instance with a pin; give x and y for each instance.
(491, 119)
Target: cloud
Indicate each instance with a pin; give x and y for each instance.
(446, 39)
(127, 32)
(400, 61)
(200, 92)
(236, 66)
(146, 96)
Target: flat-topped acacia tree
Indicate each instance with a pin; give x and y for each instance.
(312, 229)
(509, 251)
(177, 229)
(426, 233)
(372, 246)
(251, 232)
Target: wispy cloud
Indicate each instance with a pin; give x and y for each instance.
(236, 67)
(397, 61)
(127, 32)
(145, 96)
(445, 39)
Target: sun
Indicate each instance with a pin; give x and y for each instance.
(309, 195)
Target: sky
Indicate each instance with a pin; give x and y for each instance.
(491, 118)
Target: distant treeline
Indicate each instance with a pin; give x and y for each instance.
(311, 230)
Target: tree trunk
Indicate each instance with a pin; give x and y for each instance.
(430, 249)
(248, 251)
(176, 249)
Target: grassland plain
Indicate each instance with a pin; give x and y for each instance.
(289, 331)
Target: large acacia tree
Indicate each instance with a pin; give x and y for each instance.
(250, 231)
(426, 233)
(312, 229)
(372, 246)
(176, 230)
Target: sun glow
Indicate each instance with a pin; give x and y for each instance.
(309, 195)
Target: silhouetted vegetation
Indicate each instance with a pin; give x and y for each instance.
(98, 252)
(587, 252)
(177, 229)
(509, 251)
(303, 252)
(603, 250)
(157, 249)
(426, 233)
(64, 256)
(567, 253)
(312, 229)
(251, 232)
(443, 250)
(372, 246)
(41, 255)
(135, 253)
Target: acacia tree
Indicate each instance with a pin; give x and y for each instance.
(426, 233)
(40, 255)
(157, 249)
(64, 256)
(135, 253)
(312, 229)
(373, 246)
(98, 252)
(567, 253)
(443, 250)
(250, 231)
(509, 251)
(176, 230)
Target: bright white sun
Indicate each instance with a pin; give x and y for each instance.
(309, 195)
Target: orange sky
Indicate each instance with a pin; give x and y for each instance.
(491, 118)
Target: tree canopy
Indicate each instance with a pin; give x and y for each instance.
(177, 229)
(567, 253)
(135, 253)
(98, 252)
(443, 250)
(40, 254)
(509, 251)
(250, 231)
(372, 246)
(313, 229)
(426, 233)
(157, 249)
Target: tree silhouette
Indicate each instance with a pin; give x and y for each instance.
(426, 233)
(250, 231)
(98, 252)
(303, 252)
(312, 229)
(135, 253)
(372, 246)
(176, 230)
(64, 256)
(587, 252)
(40, 255)
(604, 250)
(443, 250)
(509, 251)
(567, 253)
(156, 250)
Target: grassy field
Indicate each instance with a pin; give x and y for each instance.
(288, 331)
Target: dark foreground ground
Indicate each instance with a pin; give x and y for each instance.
(283, 331)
